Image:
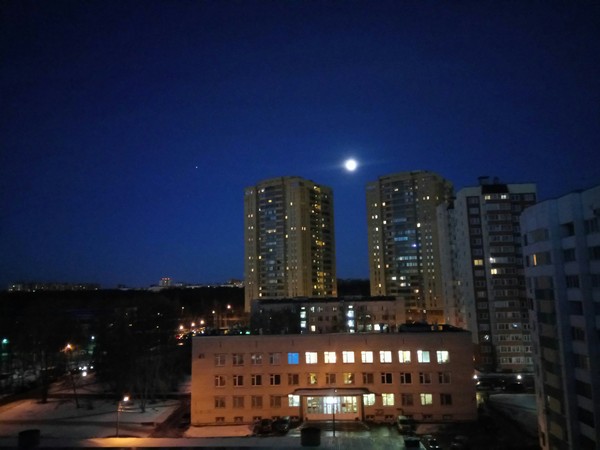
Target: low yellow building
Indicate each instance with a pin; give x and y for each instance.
(425, 373)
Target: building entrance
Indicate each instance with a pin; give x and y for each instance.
(346, 407)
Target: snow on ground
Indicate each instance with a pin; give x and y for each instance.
(219, 431)
(94, 418)
(519, 407)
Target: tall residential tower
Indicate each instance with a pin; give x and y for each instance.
(562, 269)
(289, 240)
(487, 290)
(404, 257)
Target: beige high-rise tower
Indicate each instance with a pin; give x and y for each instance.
(486, 288)
(289, 240)
(404, 257)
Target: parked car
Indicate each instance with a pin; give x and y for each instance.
(431, 443)
(460, 443)
(263, 426)
(405, 425)
(282, 425)
(412, 442)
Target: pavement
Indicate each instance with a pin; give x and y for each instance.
(510, 423)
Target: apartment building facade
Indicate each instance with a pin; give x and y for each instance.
(426, 375)
(289, 240)
(403, 239)
(332, 315)
(562, 259)
(487, 284)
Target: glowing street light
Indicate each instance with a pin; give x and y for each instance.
(119, 408)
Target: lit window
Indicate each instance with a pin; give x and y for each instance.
(366, 357)
(388, 399)
(404, 356)
(330, 358)
(256, 359)
(312, 378)
(426, 399)
(443, 356)
(293, 358)
(348, 357)
(348, 378)
(369, 399)
(293, 400)
(385, 356)
(311, 357)
(423, 356)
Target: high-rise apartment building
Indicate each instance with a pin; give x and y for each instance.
(404, 258)
(289, 240)
(562, 269)
(485, 286)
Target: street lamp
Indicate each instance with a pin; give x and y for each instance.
(69, 354)
(333, 402)
(119, 407)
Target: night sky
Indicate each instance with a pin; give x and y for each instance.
(129, 130)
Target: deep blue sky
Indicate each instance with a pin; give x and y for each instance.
(128, 130)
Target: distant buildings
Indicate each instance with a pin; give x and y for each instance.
(562, 256)
(289, 240)
(43, 286)
(483, 273)
(403, 239)
(425, 375)
(332, 315)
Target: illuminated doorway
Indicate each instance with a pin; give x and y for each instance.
(346, 407)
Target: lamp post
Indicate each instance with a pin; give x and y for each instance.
(4, 355)
(119, 406)
(335, 401)
(69, 352)
(334, 420)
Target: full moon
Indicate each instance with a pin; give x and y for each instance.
(350, 165)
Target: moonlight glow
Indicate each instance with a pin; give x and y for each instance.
(350, 165)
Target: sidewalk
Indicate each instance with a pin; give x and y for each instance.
(94, 419)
